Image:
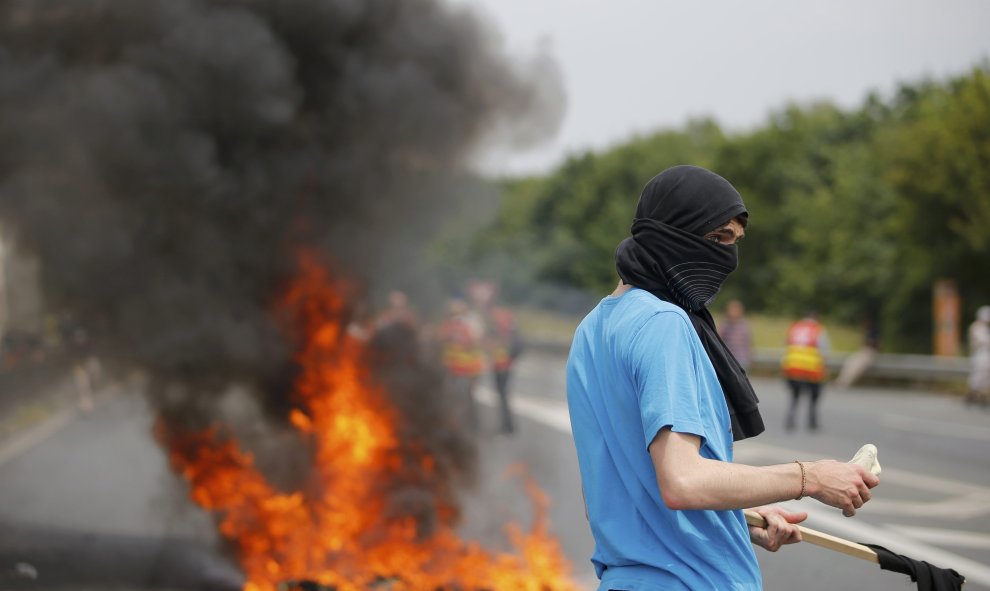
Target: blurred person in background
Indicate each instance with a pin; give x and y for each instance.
(856, 364)
(804, 366)
(647, 372)
(397, 312)
(978, 390)
(359, 322)
(461, 340)
(502, 343)
(736, 334)
(86, 369)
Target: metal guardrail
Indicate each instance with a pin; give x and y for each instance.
(885, 366)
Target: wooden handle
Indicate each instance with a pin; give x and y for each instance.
(822, 539)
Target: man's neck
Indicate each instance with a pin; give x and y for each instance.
(620, 289)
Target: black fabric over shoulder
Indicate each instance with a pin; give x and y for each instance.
(668, 256)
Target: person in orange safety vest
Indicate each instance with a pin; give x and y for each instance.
(804, 366)
(461, 338)
(502, 343)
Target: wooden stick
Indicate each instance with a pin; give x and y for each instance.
(822, 539)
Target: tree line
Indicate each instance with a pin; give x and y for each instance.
(853, 212)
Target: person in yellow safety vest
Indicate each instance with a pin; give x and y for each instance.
(804, 366)
(461, 337)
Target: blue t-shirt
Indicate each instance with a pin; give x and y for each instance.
(635, 367)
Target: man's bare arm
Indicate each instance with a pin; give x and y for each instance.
(689, 481)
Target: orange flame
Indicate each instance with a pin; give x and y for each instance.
(339, 533)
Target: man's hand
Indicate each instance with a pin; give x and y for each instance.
(780, 530)
(842, 485)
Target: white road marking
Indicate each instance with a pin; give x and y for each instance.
(944, 537)
(931, 483)
(24, 441)
(933, 427)
(961, 508)
(819, 515)
(553, 413)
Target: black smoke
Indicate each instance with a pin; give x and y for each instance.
(166, 158)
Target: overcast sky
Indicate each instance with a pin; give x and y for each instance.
(634, 66)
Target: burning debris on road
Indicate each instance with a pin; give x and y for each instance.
(342, 529)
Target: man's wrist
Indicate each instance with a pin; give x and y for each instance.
(803, 490)
(811, 487)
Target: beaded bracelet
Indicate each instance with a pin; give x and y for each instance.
(804, 480)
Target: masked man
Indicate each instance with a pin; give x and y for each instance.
(656, 400)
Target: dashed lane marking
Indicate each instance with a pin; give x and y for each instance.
(26, 440)
(819, 515)
(552, 413)
(933, 427)
(944, 537)
(962, 508)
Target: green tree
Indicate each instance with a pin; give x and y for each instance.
(854, 212)
(937, 160)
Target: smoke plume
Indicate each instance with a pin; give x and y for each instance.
(167, 159)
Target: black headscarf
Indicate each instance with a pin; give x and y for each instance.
(668, 256)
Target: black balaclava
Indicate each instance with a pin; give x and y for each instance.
(668, 256)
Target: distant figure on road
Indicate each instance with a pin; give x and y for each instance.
(736, 333)
(398, 311)
(86, 369)
(647, 371)
(502, 343)
(461, 336)
(978, 390)
(804, 366)
(856, 364)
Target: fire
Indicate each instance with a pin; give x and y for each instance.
(339, 532)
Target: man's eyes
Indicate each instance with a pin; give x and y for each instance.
(723, 238)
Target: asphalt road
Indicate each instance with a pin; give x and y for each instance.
(88, 502)
(933, 503)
